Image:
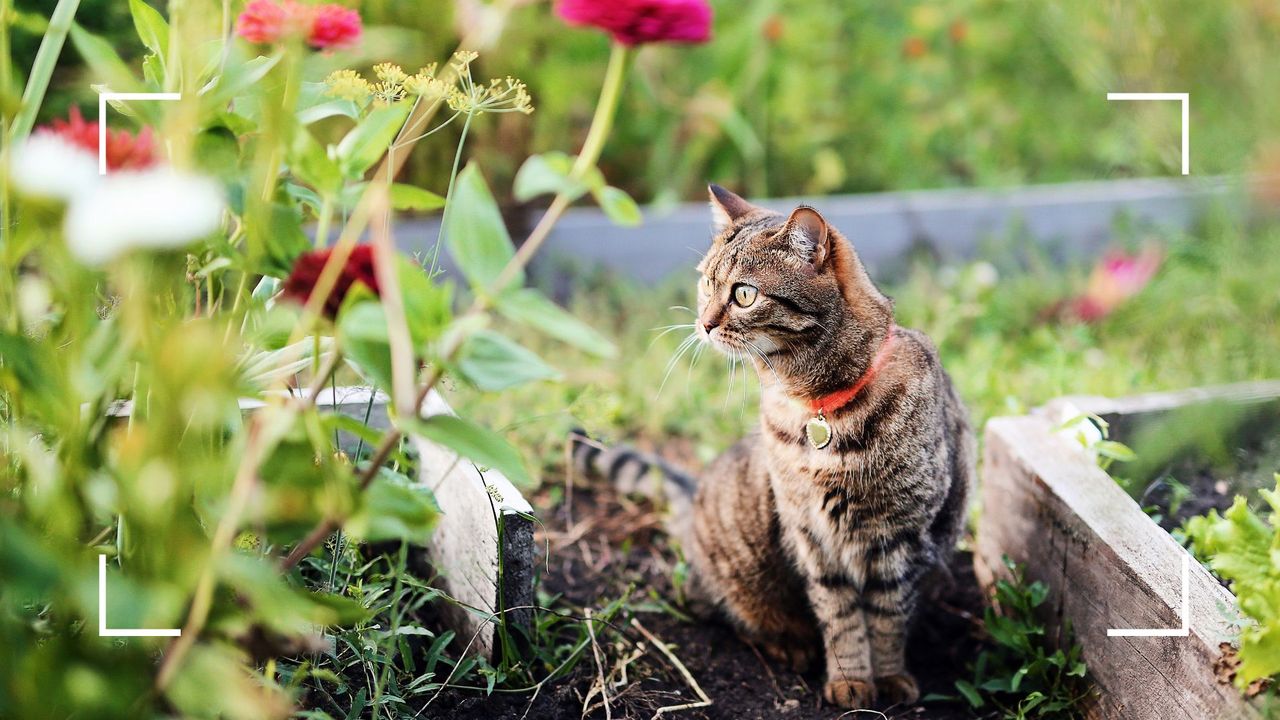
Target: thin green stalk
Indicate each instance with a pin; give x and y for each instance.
(42, 69)
(453, 177)
(606, 109)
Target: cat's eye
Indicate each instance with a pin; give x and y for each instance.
(744, 295)
(705, 284)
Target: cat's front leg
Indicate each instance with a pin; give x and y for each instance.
(836, 603)
(888, 601)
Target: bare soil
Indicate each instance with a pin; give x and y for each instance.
(598, 547)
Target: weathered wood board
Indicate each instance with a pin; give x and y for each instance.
(1046, 505)
(483, 544)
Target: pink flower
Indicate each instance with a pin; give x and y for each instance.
(325, 27)
(334, 26)
(635, 22)
(264, 21)
(1116, 278)
(125, 151)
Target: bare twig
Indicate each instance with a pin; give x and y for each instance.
(595, 651)
(684, 671)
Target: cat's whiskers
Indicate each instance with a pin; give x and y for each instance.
(760, 354)
(683, 348)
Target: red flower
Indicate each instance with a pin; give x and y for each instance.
(306, 272)
(635, 22)
(1116, 278)
(324, 27)
(914, 47)
(334, 26)
(125, 151)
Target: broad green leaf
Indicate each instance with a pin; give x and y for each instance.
(311, 164)
(492, 362)
(103, 60)
(619, 206)
(427, 305)
(479, 444)
(281, 607)
(408, 197)
(235, 79)
(394, 508)
(328, 109)
(214, 681)
(365, 144)
(152, 28)
(530, 307)
(362, 335)
(547, 173)
(475, 233)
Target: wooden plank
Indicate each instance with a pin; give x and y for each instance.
(482, 546)
(1048, 506)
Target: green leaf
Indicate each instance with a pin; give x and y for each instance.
(394, 508)
(481, 445)
(151, 27)
(328, 109)
(619, 206)
(1115, 451)
(970, 693)
(362, 335)
(475, 233)
(428, 306)
(235, 79)
(365, 144)
(530, 307)
(408, 197)
(492, 362)
(103, 60)
(547, 173)
(311, 164)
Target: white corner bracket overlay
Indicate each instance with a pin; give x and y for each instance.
(1185, 99)
(106, 97)
(1183, 631)
(103, 630)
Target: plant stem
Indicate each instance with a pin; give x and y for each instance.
(42, 69)
(453, 177)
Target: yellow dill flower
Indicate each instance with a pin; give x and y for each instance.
(390, 73)
(348, 85)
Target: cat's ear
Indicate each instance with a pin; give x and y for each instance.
(809, 235)
(726, 207)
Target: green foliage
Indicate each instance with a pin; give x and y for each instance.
(1023, 676)
(1241, 545)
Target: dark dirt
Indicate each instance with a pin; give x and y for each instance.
(599, 547)
(1193, 484)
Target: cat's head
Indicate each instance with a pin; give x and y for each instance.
(774, 284)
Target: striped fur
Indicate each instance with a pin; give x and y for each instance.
(819, 552)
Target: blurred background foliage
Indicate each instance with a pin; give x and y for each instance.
(802, 97)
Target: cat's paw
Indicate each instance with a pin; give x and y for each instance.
(849, 693)
(897, 689)
(797, 656)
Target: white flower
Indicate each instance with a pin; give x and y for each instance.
(1077, 427)
(157, 208)
(48, 166)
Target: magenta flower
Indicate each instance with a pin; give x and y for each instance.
(264, 21)
(1116, 278)
(333, 27)
(635, 22)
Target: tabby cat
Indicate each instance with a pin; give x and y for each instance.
(813, 533)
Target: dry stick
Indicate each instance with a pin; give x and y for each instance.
(697, 689)
(595, 652)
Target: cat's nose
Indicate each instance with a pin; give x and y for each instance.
(710, 325)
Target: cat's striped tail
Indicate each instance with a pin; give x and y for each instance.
(632, 471)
